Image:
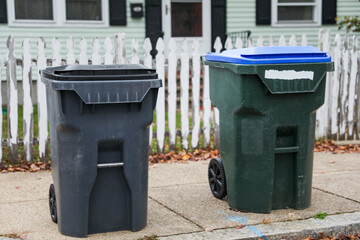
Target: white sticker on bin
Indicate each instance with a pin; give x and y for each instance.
(289, 74)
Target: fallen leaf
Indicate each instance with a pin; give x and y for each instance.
(182, 153)
(292, 216)
(186, 157)
(207, 156)
(197, 152)
(233, 209)
(240, 226)
(321, 235)
(34, 168)
(266, 221)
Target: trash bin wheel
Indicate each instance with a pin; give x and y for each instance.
(52, 203)
(217, 181)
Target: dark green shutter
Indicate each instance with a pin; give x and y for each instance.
(153, 16)
(328, 11)
(153, 23)
(3, 11)
(263, 12)
(218, 20)
(117, 12)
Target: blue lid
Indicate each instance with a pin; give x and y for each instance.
(270, 55)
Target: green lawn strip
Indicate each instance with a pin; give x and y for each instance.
(178, 138)
(20, 134)
(20, 122)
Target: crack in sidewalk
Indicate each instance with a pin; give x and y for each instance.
(350, 199)
(299, 233)
(322, 173)
(335, 171)
(177, 213)
(24, 201)
(179, 185)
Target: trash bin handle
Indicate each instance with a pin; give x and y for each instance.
(108, 165)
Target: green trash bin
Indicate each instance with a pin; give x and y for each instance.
(267, 98)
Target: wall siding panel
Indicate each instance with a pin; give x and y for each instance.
(241, 16)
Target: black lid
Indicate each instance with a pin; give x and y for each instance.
(99, 72)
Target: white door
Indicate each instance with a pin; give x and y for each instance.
(188, 19)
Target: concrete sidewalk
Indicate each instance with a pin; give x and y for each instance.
(181, 205)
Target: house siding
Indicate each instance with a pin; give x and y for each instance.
(135, 28)
(241, 16)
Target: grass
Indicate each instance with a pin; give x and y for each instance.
(320, 215)
(5, 157)
(20, 122)
(178, 138)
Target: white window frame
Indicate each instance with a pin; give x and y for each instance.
(59, 14)
(298, 23)
(205, 39)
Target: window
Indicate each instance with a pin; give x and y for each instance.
(186, 18)
(296, 12)
(34, 10)
(83, 10)
(58, 12)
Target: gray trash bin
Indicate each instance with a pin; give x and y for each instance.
(99, 136)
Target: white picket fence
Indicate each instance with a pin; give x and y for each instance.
(337, 119)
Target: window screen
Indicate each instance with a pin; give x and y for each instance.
(87, 10)
(34, 9)
(296, 10)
